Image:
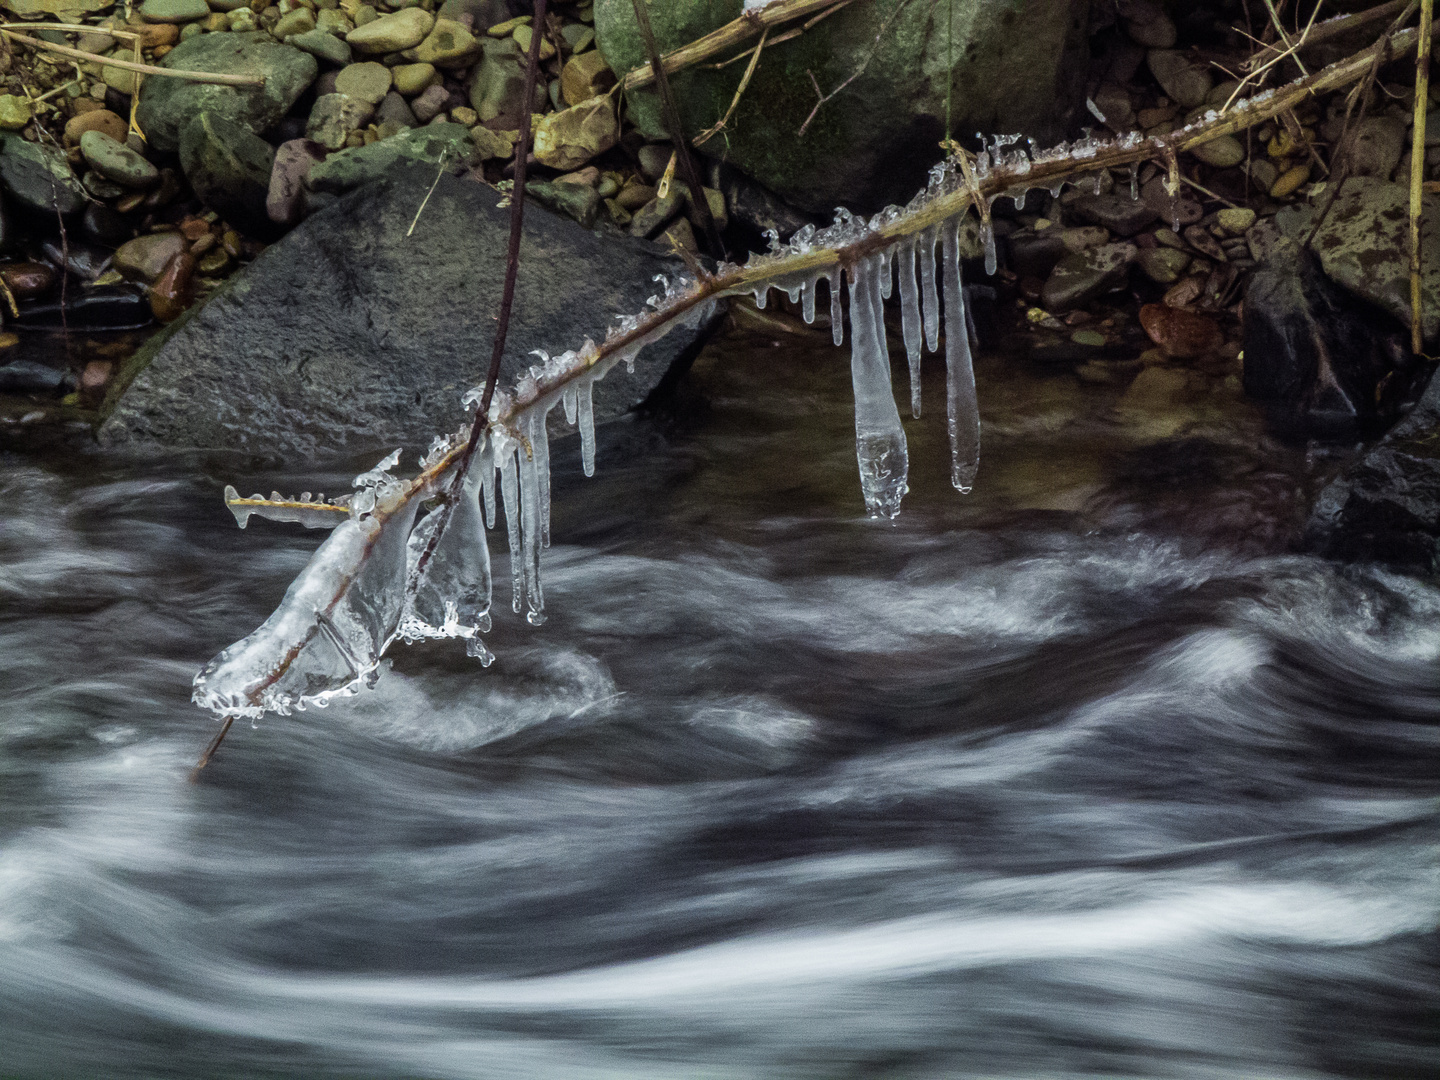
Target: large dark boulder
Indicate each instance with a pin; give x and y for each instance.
(349, 335)
(998, 66)
(1325, 362)
(1386, 506)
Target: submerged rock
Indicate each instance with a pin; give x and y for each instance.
(38, 177)
(349, 335)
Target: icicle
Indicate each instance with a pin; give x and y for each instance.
(509, 482)
(1019, 201)
(529, 478)
(886, 277)
(879, 438)
(487, 486)
(541, 443)
(962, 411)
(837, 316)
(910, 319)
(568, 397)
(992, 263)
(762, 293)
(452, 592)
(584, 392)
(930, 299)
(807, 301)
(1134, 181)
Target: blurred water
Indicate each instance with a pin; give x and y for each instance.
(1076, 778)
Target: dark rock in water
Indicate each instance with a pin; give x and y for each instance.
(8, 232)
(1004, 65)
(104, 226)
(167, 105)
(348, 335)
(229, 168)
(28, 280)
(39, 178)
(396, 110)
(1034, 254)
(1119, 213)
(762, 210)
(1386, 506)
(30, 377)
(1328, 363)
(84, 261)
(172, 291)
(108, 307)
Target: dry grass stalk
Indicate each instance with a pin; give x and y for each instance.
(126, 65)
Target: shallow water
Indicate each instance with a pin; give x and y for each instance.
(1079, 776)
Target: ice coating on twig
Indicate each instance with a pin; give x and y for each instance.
(879, 437)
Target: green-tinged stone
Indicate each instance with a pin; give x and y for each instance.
(174, 11)
(15, 112)
(350, 168)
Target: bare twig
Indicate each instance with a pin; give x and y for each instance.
(719, 126)
(728, 36)
(210, 750)
(444, 160)
(671, 113)
(854, 74)
(127, 65)
(1417, 170)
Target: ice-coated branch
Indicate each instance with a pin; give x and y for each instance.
(367, 584)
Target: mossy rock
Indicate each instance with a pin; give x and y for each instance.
(1000, 66)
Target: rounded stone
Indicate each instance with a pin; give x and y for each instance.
(117, 162)
(174, 11)
(1180, 77)
(394, 32)
(1236, 220)
(1163, 265)
(368, 82)
(1290, 181)
(15, 112)
(411, 79)
(1224, 151)
(143, 258)
(102, 120)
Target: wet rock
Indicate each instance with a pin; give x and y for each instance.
(1183, 79)
(1180, 333)
(229, 168)
(103, 225)
(760, 208)
(334, 117)
(174, 11)
(1364, 244)
(143, 258)
(102, 120)
(117, 162)
(1019, 65)
(31, 377)
(15, 112)
(84, 261)
(368, 82)
(491, 144)
(1315, 353)
(285, 201)
(322, 45)
(28, 280)
(172, 292)
(99, 187)
(39, 178)
(1177, 209)
(1290, 182)
(580, 202)
(653, 159)
(350, 168)
(293, 23)
(1374, 148)
(569, 138)
(349, 335)
(1199, 238)
(168, 105)
(107, 307)
(1034, 253)
(1236, 220)
(399, 30)
(1386, 506)
(1163, 265)
(1080, 277)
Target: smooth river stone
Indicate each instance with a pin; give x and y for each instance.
(116, 161)
(174, 11)
(391, 33)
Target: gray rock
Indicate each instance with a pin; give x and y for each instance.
(656, 214)
(325, 46)
(483, 13)
(497, 87)
(350, 168)
(368, 82)
(1163, 265)
(348, 335)
(395, 109)
(1375, 147)
(1019, 66)
(1119, 213)
(334, 117)
(1147, 24)
(39, 177)
(1083, 276)
(167, 105)
(285, 201)
(117, 162)
(430, 104)
(174, 11)
(229, 168)
(1182, 78)
(1364, 244)
(31, 377)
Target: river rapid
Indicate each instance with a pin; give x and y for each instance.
(1081, 775)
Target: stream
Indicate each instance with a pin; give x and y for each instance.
(1081, 775)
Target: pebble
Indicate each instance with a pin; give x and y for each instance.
(333, 21)
(30, 377)
(101, 188)
(1147, 24)
(28, 280)
(1183, 80)
(1224, 151)
(174, 11)
(1198, 237)
(1263, 174)
(491, 144)
(15, 112)
(411, 79)
(117, 162)
(102, 120)
(395, 32)
(285, 201)
(299, 21)
(368, 82)
(1080, 277)
(1170, 208)
(1236, 220)
(1180, 333)
(1375, 147)
(334, 117)
(396, 111)
(430, 104)
(449, 44)
(1163, 265)
(322, 45)
(171, 292)
(1083, 237)
(1092, 338)
(145, 257)
(1289, 182)
(653, 159)
(243, 21)
(522, 38)
(1170, 238)
(84, 261)
(584, 76)
(654, 215)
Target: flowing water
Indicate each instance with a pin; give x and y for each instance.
(1080, 775)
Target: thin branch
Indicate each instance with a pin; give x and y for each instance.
(853, 75)
(719, 126)
(1417, 171)
(210, 750)
(676, 127)
(728, 36)
(127, 65)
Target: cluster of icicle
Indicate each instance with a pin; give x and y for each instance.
(365, 587)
